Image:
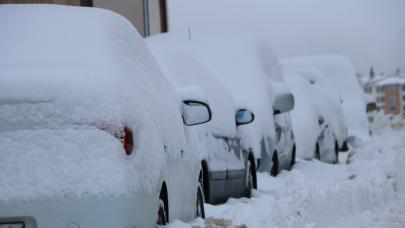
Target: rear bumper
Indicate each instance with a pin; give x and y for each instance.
(120, 212)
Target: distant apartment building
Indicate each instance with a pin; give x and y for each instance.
(148, 16)
(389, 92)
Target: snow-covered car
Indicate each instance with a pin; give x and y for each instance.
(317, 117)
(91, 133)
(339, 71)
(229, 168)
(328, 99)
(246, 73)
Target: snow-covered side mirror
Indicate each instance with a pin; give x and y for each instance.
(283, 103)
(244, 116)
(195, 112)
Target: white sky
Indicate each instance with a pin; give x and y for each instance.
(370, 32)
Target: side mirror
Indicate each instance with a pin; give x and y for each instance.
(195, 112)
(243, 117)
(372, 106)
(283, 103)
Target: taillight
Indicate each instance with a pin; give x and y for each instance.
(128, 141)
(123, 133)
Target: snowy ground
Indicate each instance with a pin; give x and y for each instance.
(367, 189)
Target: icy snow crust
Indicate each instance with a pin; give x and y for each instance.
(339, 71)
(63, 72)
(194, 80)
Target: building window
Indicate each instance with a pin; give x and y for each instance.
(163, 16)
(403, 98)
(393, 109)
(380, 99)
(393, 99)
(392, 88)
(380, 89)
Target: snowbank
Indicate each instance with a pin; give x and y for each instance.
(368, 192)
(63, 72)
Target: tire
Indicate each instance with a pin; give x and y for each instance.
(293, 156)
(336, 153)
(199, 207)
(250, 178)
(317, 155)
(274, 167)
(162, 215)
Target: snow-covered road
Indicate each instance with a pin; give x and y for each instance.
(367, 189)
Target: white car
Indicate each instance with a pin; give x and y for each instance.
(229, 168)
(331, 104)
(339, 71)
(91, 134)
(317, 117)
(242, 68)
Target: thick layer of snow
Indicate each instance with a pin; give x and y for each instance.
(393, 80)
(369, 191)
(187, 74)
(63, 72)
(339, 71)
(324, 96)
(305, 115)
(243, 67)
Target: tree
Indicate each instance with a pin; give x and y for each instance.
(372, 74)
(398, 71)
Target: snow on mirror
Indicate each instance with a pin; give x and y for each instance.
(244, 116)
(195, 112)
(283, 103)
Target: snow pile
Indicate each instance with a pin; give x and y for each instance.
(367, 192)
(65, 72)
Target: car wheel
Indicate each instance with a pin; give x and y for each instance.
(317, 152)
(292, 161)
(336, 153)
(274, 167)
(199, 209)
(250, 185)
(162, 217)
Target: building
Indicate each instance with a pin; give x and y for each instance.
(148, 16)
(389, 92)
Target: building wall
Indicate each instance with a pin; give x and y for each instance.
(392, 94)
(149, 17)
(131, 9)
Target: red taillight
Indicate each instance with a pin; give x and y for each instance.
(123, 133)
(128, 141)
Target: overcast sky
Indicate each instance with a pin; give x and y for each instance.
(370, 32)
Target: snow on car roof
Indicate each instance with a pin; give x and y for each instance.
(63, 69)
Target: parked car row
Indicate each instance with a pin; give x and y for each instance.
(99, 129)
